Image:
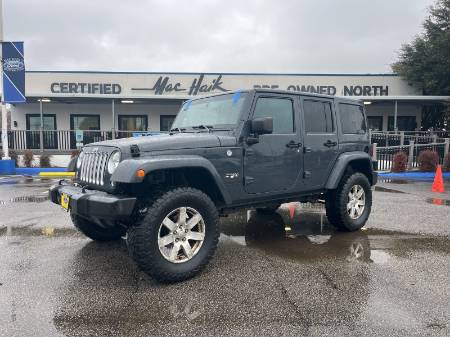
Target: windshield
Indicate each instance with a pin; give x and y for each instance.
(211, 112)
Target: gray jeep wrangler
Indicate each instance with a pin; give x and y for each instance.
(251, 148)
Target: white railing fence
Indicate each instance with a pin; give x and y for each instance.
(384, 155)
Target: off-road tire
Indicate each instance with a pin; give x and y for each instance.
(95, 232)
(336, 203)
(142, 238)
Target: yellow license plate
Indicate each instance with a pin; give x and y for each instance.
(65, 200)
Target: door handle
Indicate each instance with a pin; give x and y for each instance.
(293, 145)
(330, 143)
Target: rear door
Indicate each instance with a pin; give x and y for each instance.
(274, 163)
(320, 140)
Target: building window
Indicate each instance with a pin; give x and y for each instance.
(133, 122)
(375, 123)
(280, 109)
(318, 117)
(404, 123)
(90, 124)
(165, 122)
(352, 118)
(33, 131)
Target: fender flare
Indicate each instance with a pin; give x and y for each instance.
(126, 171)
(341, 165)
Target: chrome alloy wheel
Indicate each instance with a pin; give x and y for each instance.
(181, 234)
(356, 202)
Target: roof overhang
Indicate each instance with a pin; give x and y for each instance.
(416, 99)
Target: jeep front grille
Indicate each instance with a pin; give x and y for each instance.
(93, 167)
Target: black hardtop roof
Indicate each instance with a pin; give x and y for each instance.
(308, 94)
(285, 92)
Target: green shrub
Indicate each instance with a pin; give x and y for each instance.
(446, 167)
(399, 162)
(44, 160)
(28, 158)
(428, 160)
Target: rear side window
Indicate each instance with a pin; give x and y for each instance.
(280, 109)
(318, 117)
(352, 118)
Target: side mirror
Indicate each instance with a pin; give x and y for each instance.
(261, 126)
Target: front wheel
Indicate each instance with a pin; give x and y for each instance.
(177, 237)
(348, 206)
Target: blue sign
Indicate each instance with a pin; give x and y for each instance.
(13, 72)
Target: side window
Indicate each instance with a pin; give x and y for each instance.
(318, 117)
(280, 109)
(352, 118)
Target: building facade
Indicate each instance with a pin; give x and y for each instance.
(115, 104)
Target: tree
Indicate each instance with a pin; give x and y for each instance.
(425, 62)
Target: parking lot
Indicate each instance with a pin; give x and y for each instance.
(273, 274)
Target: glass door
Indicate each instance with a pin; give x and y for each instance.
(88, 123)
(49, 131)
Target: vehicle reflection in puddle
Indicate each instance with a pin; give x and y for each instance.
(306, 236)
(438, 201)
(309, 237)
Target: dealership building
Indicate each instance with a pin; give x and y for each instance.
(116, 104)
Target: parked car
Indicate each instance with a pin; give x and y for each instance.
(243, 149)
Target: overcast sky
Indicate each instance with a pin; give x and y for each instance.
(296, 36)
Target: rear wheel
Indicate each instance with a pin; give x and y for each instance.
(95, 232)
(348, 206)
(177, 237)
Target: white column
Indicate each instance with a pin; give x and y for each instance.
(4, 113)
(395, 115)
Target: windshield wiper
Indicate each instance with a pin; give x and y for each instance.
(204, 127)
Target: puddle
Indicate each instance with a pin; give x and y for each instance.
(31, 231)
(437, 201)
(385, 189)
(397, 181)
(308, 237)
(27, 199)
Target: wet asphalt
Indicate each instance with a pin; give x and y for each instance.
(272, 275)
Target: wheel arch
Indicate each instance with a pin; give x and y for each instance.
(351, 162)
(197, 172)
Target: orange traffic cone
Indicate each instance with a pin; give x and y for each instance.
(438, 183)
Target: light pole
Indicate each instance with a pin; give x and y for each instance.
(4, 117)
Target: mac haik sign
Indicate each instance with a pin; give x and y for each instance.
(183, 85)
(341, 85)
(13, 72)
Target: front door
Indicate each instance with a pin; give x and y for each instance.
(321, 141)
(274, 163)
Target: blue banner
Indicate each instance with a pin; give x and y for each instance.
(13, 72)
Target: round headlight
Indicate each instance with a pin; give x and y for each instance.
(80, 159)
(113, 162)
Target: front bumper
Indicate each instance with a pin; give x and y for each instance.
(93, 203)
